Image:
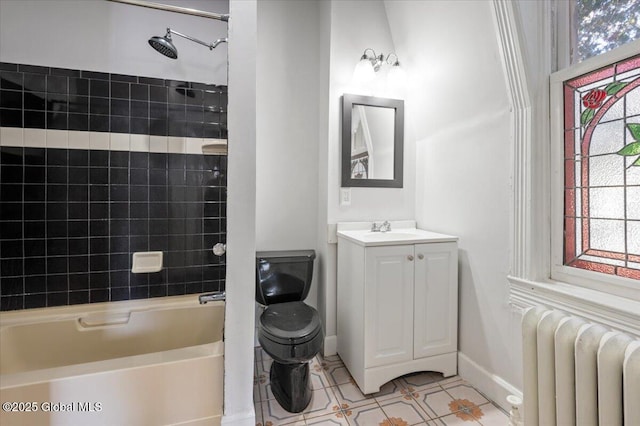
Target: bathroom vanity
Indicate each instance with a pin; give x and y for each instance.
(397, 302)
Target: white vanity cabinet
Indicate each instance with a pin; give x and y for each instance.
(397, 304)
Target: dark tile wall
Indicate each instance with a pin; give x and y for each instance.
(70, 220)
(65, 99)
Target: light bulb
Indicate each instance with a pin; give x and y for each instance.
(364, 72)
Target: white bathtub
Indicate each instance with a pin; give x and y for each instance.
(143, 362)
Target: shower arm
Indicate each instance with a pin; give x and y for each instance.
(211, 46)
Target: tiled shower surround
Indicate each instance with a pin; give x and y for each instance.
(70, 219)
(64, 99)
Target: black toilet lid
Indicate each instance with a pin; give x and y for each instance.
(290, 323)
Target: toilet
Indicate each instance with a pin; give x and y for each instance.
(289, 330)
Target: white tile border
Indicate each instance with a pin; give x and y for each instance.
(11, 136)
(35, 138)
(77, 140)
(119, 141)
(176, 144)
(99, 141)
(139, 143)
(158, 143)
(193, 145)
(72, 139)
(57, 139)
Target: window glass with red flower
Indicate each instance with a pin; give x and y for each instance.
(602, 170)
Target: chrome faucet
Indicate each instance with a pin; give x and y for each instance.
(383, 227)
(212, 297)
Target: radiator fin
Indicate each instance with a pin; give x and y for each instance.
(565, 340)
(546, 367)
(610, 359)
(577, 373)
(586, 370)
(631, 386)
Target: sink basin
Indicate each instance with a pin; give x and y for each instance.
(367, 238)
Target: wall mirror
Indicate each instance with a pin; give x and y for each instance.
(372, 140)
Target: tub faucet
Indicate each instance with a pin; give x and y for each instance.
(212, 297)
(383, 227)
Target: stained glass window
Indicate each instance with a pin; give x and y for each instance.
(602, 170)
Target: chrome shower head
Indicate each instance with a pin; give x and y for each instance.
(164, 45)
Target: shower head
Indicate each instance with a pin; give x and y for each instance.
(164, 45)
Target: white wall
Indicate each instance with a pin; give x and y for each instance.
(287, 127)
(241, 216)
(459, 116)
(354, 26)
(98, 35)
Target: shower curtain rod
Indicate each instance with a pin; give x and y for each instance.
(177, 9)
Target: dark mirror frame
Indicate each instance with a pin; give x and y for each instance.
(348, 101)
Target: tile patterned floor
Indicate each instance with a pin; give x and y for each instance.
(416, 399)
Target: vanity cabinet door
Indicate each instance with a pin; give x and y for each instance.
(388, 293)
(436, 299)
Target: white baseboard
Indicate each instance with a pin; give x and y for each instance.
(330, 345)
(494, 387)
(240, 419)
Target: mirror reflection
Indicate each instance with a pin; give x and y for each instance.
(372, 142)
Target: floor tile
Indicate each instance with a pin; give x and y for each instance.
(323, 402)
(274, 413)
(389, 390)
(492, 416)
(264, 388)
(451, 381)
(264, 365)
(318, 380)
(256, 388)
(337, 374)
(435, 404)
(331, 358)
(415, 392)
(455, 420)
(333, 368)
(466, 392)
(420, 379)
(424, 398)
(317, 370)
(465, 409)
(369, 415)
(265, 392)
(334, 419)
(350, 395)
(258, 408)
(403, 411)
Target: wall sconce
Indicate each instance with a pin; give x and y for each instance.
(370, 64)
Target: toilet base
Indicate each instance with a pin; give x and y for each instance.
(291, 385)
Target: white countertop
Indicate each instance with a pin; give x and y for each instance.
(402, 232)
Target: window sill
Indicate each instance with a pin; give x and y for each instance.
(616, 312)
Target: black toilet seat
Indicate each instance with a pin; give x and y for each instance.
(290, 323)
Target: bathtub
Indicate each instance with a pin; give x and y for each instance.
(143, 362)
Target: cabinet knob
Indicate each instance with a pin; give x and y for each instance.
(410, 257)
(420, 256)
